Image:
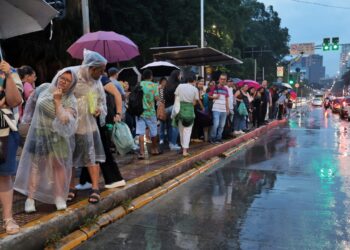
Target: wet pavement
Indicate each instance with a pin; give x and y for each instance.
(290, 190)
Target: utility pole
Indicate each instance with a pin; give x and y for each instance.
(86, 18)
(255, 66)
(202, 34)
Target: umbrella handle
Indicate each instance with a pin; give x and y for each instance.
(1, 58)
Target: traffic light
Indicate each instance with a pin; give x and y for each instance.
(326, 44)
(335, 43)
(60, 6)
(291, 81)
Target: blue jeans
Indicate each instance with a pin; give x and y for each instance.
(219, 120)
(239, 122)
(173, 132)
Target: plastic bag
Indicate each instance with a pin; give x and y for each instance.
(242, 109)
(92, 100)
(122, 138)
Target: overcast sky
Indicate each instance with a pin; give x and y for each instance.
(312, 22)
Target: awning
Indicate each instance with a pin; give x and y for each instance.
(197, 57)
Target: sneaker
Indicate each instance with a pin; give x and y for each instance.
(236, 133)
(29, 206)
(241, 132)
(174, 146)
(161, 142)
(219, 141)
(85, 186)
(60, 203)
(116, 184)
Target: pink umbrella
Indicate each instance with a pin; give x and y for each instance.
(250, 83)
(114, 47)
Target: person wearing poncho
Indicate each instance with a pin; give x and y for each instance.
(187, 95)
(45, 166)
(91, 100)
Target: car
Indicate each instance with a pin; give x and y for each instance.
(317, 101)
(336, 105)
(345, 108)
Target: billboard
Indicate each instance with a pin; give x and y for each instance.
(307, 48)
(280, 70)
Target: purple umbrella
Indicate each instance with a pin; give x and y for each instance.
(114, 47)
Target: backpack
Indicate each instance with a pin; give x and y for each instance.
(122, 138)
(111, 108)
(135, 107)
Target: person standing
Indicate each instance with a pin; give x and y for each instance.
(10, 98)
(220, 110)
(45, 167)
(91, 104)
(266, 103)
(188, 96)
(169, 96)
(148, 118)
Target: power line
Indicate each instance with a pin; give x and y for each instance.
(322, 4)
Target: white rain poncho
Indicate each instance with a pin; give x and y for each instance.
(45, 168)
(90, 96)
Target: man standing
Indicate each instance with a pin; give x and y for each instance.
(91, 104)
(266, 103)
(220, 109)
(188, 96)
(148, 119)
(113, 76)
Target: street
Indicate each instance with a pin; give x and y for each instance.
(290, 190)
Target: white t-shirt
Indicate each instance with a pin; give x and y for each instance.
(187, 93)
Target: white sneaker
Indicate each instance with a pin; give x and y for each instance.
(85, 186)
(29, 206)
(60, 203)
(174, 147)
(116, 184)
(241, 132)
(236, 133)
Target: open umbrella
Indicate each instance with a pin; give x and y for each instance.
(283, 85)
(250, 83)
(160, 68)
(130, 74)
(293, 94)
(18, 17)
(114, 47)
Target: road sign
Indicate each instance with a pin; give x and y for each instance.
(297, 85)
(280, 70)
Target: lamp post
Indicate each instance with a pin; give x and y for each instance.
(202, 33)
(86, 19)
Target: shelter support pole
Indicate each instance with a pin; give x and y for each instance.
(86, 18)
(202, 32)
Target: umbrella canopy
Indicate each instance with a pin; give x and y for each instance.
(160, 68)
(131, 75)
(18, 17)
(114, 47)
(250, 83)
(283, 85)
(293, 95)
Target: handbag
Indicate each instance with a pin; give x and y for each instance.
(161, 114)
(242, 109)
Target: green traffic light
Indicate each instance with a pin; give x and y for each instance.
(335, 47)
(291, 81)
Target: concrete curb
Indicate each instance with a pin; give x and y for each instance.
(34, 235)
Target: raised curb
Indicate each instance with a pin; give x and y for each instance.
(34, 235)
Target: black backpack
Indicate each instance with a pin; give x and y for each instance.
(135, 107)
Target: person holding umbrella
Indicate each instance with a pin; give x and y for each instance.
(10, 98)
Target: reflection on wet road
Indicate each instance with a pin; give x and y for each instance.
(290, 190)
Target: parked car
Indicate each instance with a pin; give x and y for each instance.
(317, 101)
(336, 105)
(345, 108)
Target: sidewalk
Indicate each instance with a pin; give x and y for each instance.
(141, 176)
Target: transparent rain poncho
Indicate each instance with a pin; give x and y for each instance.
(45, 167)
(90, 97)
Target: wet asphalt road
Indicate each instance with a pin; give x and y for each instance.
(290, 190)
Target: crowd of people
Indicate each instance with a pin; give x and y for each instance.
(67, 132)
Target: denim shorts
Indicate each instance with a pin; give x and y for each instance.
(142, 123)
(9, 167)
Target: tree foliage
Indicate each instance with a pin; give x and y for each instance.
(232, 26)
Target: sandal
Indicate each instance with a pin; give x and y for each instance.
(140, 157)
(11, 229)
(94, 196)
(72, 194)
